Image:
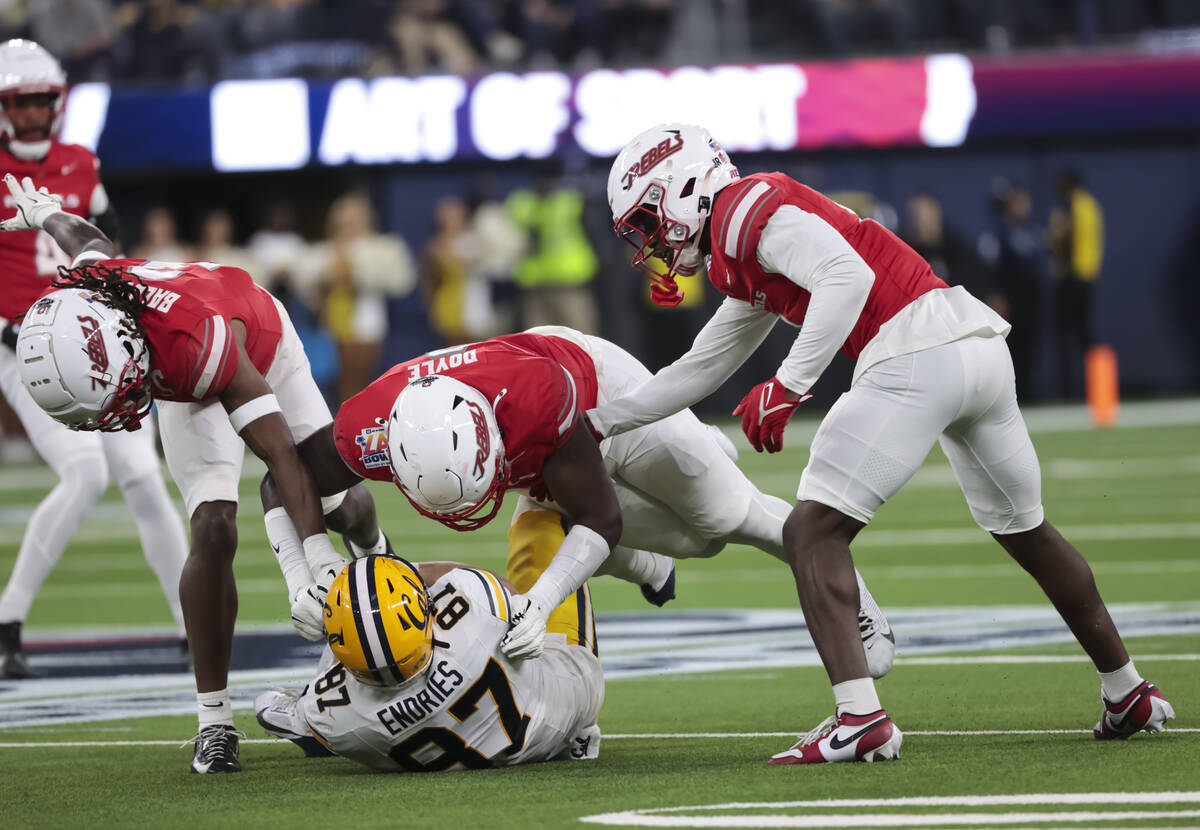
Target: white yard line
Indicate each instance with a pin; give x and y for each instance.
(617, 736)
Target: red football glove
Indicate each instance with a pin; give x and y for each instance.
(765, 412)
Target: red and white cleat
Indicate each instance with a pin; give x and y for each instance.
(1144, 708)
(846, 737)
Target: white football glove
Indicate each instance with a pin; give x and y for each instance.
(34, 206)
(308, 612)
(526, 637)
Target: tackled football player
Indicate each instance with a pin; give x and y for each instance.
(415, 680)
(222, 359)
(458, 428)
(932, 367)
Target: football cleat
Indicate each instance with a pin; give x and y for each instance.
(846, 737)
(1144, 708)
(13, 665)
(216, 749)
(663, 594)
(278, 714)
(879, 643)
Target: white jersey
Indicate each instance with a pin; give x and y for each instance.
(471, 708)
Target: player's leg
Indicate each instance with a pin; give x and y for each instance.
(77, 459)
(654, 573)
(997, 468)
(204, 456)
(533, 539)
(869, 444)
(133, 460)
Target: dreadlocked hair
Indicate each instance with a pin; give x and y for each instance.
(112, 286)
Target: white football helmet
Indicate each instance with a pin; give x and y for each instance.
(660, 190)
(447, 453)
(84, 362)
(26, 68)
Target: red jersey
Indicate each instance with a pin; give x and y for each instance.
(190, 305)
(740, 212)
(539, 385)
(28, 259)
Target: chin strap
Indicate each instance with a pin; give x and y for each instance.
(29, 150)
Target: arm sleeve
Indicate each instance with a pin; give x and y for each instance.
(724, 344)
(811, 253)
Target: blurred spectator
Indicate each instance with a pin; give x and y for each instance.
(168, 40)
(1015, 253)
(851, 26)
(158, 240)
(79, 32)
(427, 36)
(499, 243)
(285, 269)
(554, 277)
(444, 271)
(280, 252)
(1076, 237)
(950, 255)
(216, 243)
(362, 269)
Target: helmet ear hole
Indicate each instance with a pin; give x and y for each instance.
(688, 188)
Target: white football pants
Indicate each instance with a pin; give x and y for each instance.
(83, 462)
(961, 395)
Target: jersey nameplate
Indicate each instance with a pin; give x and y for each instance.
(411, 709)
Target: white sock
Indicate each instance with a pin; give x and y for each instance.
(856, 697)
(161, 532)
(1115, 685)
(281, 533)
(377, 549)
(641, 567)
(214, 708)
(324, 562)
(50, 528)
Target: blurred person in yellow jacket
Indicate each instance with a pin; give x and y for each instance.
(554, 277)
(1076, 238)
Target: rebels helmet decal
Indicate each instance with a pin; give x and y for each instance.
(651, 158)
(95, 350)
(482, 438)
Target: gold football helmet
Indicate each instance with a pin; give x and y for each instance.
(377, 620)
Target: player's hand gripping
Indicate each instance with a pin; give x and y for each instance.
(308, 612)
(308, 605)
(526, 635)
(765, 412)
(34, 206)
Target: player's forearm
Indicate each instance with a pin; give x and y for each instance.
(577, 558)
(724, 344)
(837, 301)
(75, 235)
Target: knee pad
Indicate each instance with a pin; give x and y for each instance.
(88, 477)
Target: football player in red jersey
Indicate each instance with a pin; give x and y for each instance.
(458, 428)
(220, 356)
(32, 95)
(932, 366)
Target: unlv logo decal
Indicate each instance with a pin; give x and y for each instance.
(481, 438)
(651, 158)
(96, 350)
(373, 446)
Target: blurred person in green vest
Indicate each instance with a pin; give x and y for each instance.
(554, 276)
(1076, 238)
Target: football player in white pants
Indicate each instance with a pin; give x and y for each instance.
(932, 367)
(33, 91)
(414, 679)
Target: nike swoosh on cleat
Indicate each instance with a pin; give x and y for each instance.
(834, 743)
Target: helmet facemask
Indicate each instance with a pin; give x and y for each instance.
(130, 403)
(663, 247)
(469, 518)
